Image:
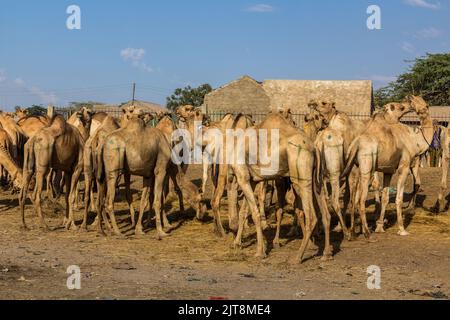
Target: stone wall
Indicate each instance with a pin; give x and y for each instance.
(244, 95)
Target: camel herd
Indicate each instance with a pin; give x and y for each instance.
(327, 167)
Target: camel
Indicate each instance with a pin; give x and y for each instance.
(191, 117)
(5, 145)
(7, 162)
(109, 124)
(60, 147)
(124, 152)
(20, 113)
(388, 147)
(32, 124)
(296, 160)
(440, 139)
(15, 133)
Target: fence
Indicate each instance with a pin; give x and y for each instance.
(299, 118)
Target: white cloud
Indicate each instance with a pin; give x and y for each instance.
(45, 97)
(135, 56)
(260, 8)
(423, 4)
(408, 47)
(428, 33)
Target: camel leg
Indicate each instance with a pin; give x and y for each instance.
(416, 183)
(110, 197)
(281, 196)
(335, 194)
(23, 195)
(215, 203)
(143, 206)
(87, 200)
(40, 177)
(403, 175)
(250, 197)
(129, 197)
(232, 193)
(243, 215)
(304, 189)
(73, 199)
(326, 221)
(100, 209)
(261, 196)
(363, 192)
(160, 175)
(384, 202)
(50, 190)
(440, 205)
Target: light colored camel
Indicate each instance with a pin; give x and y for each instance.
(387, 147)
(124, 152)
(7, 162)
(5, 145)
(340, 131)
(109, 124)
(20, 113)
(59, 147)
(433, 130)
(30, 125)
(15, 133)
(295, 160)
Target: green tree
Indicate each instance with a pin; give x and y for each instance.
(188, 96)
(37, 110)
(429, 76)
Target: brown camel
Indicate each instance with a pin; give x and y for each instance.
(7, 162)
(15, 133)
(109, 125)
(124, 152)
(59, 147)
(295, 160)
(387, 147)
(30, 125)
(20, 113)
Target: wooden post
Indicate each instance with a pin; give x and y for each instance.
(134, 92)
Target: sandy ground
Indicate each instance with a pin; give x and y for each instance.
(194, 264)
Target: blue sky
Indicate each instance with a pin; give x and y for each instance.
(162, 45)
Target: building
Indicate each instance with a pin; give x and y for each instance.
(247, 95)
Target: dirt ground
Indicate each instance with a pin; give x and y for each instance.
(194, 264)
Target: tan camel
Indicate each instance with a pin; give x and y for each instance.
(124, 152)
(15, 133)
(295, 160)
(109, 125)
(7, 162)
(20, 113)
(30, 125)
(387, 147)
(59, 147)
(433, 130)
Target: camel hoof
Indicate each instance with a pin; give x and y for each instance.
(276, 245)
(139, 232)
(327, 257)
(403, 233)
(219, 233)
(169, 227)
(337, 229)
(260, 255)
(71, 226)
(236, 245)
(161, 235)
(380, 229)
(24, 228)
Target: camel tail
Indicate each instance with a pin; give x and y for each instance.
(100, 172)
(320, 166)
(29, 160)
(351, 157)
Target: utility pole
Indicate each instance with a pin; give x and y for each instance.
(134, 92)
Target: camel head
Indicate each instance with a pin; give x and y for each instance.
(184, 112)
(313, 123)
(323, 107)
(20, 113)
(287, 114)
(396, 110)
(419, 105)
